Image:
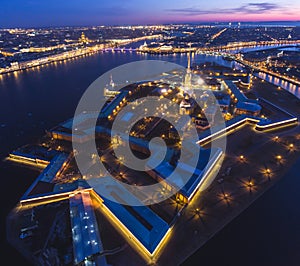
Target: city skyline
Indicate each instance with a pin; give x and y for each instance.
(32, 13)
(146, 133)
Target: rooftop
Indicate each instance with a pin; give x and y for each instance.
(242, 101)
(165, 169)
(47, 176)
(108, 109)
(86, 238)
(235, 90)
(249, 106)
(145, 225)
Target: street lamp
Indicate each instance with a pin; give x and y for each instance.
(250, 184)
(198, 212)
(242, 158)
(279, 158)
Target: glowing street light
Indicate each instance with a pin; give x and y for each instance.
(267, 173)
(242, 158)
(198, 212)
(279, 158)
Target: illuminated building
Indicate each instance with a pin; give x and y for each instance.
(247, 108)
(63, 131)
(187, 105)
(188, 75)
(200, 177)
(110, 90)
(243, 104)
(111, 108)
(165, 48)
(83, 39)
(44, 183)
(144, 229)
(144, 46)
(85, 232)
(7, 52)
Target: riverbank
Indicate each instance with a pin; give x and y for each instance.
(19, 66)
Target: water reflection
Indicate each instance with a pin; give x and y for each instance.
(292, 88)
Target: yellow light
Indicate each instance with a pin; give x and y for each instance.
(132, 240)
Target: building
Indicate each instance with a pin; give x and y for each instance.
(201, 123)
(144, 46)
(83, 39)
(165, 49)
(243, 104)
(213, 83)
(112, 108)
(223, 102)
(143, 227)
(187, 105)
(247, 108)
(43, 185)
(199, 177)
(64, 130)
(109, 90)
(87, 245)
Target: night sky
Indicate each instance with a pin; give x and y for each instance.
(27, 13)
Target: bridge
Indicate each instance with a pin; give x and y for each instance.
(214, 50)
(242, 45)
(120, 49)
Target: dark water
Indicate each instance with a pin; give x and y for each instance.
(292, 88)
(37, 99)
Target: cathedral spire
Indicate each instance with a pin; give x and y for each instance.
(189, 59)
(111, 83)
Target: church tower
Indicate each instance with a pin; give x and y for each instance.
(188, 75)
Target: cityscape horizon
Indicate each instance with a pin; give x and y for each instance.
(220, 22)
(150, 133)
